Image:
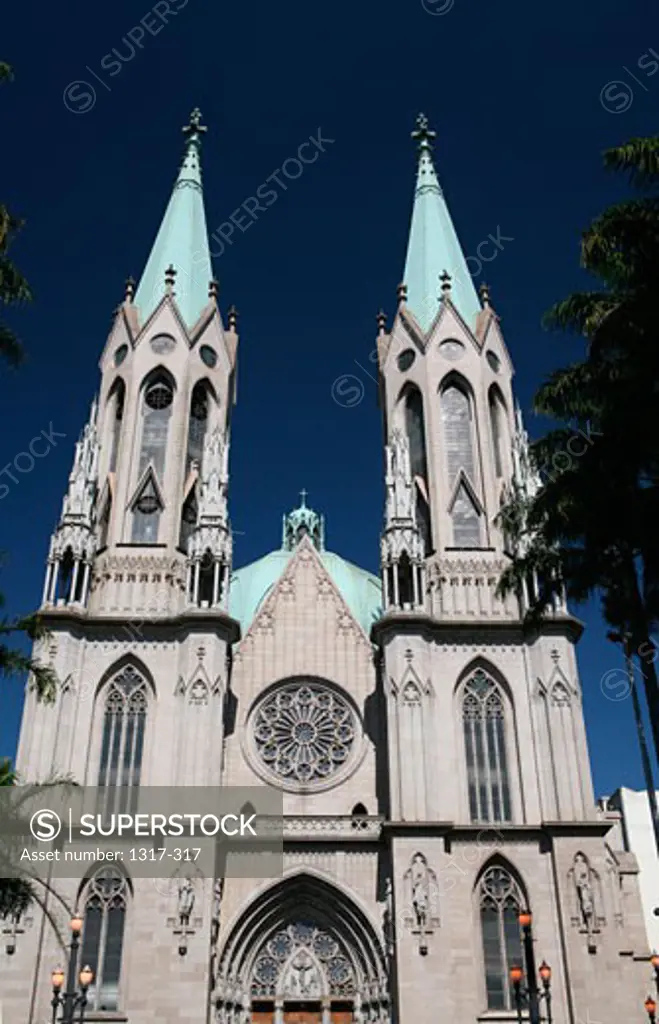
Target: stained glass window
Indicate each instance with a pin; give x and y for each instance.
(484, 725)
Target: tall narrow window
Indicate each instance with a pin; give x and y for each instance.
(122, 745)
(497, 429)
(104, 523)
(500, 900)
(197, 423)
(416, 437)
(484, 724)
(147, 508)
(106, 898)
(458, 432)
(156, 414)
(188, 520)
(466, 520)
(118, 395)
(457, 424)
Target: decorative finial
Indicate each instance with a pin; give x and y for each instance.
(212, 289)
(423, 134)
(170, 278)
(232, 318)
(130, 289)
(445, 278)
(303, 497)
(194, 129)
(382, 322)
(401, 293)
(484, 292)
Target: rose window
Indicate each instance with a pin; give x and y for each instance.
(301, 960)
(304, 732)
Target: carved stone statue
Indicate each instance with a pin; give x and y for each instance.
(186, 898)
(400, 491)
(420, 893)
(584, 887)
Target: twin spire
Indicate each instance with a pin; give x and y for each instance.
(182, 241)
(180, 259)
(433, 248)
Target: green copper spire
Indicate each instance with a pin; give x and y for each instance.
(182, 241)
(433, 245)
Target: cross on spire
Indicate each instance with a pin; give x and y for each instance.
(423, 133)
(194, 129)
(303, 496)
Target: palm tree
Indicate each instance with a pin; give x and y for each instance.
(591, 527)
(17, 894)
(15, 289)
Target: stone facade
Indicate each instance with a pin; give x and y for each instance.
(434, 767)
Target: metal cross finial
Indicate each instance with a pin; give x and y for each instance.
(423, 133)
(303, 495)
(194, 127)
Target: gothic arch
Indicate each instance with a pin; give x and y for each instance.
(501, 861)
(306, 924)
(453, 378)
(154, 374)
(490, 669)
(410, 416)
(499, 430)
(499, 895)
(489, 762)
(96, 866)
(118, 665)
(103, 900)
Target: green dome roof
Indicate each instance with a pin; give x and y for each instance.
(361, 590)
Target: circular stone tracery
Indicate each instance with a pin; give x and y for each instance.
(304, 732)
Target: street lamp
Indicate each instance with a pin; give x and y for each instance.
(651, 1009)
(532, 991)
(71, 1000)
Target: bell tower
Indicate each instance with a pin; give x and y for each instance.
(141, 557)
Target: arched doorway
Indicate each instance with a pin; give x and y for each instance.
(302, 953)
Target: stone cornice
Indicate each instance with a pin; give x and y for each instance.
(455, 630)
(203, 618)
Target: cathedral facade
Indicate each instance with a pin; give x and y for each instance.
(430, 750)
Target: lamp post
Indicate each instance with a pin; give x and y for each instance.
(531, 991)
(651, 1009)
(71, 999)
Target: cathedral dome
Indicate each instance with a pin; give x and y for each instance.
(251, 584)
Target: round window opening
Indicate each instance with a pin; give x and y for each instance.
(452, 350)
(208, 355)
(162, 344)
(304, 733)
(493, 360)
(159, 395)
(405, 359)
(120, 355)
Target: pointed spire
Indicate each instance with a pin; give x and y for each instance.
(182, 240)
(433, 246)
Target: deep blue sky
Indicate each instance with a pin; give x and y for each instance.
(514, 92)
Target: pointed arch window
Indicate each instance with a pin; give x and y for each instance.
(156, 414)
(104, 523)
(484, 723)
(466, 519)
(105, 903)
(197, 424)
(416, 437)
(500, 902)
(118, 397)
(457, 422)
(497, 427)
(188, 520)
(122, 746)
(147, 508)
